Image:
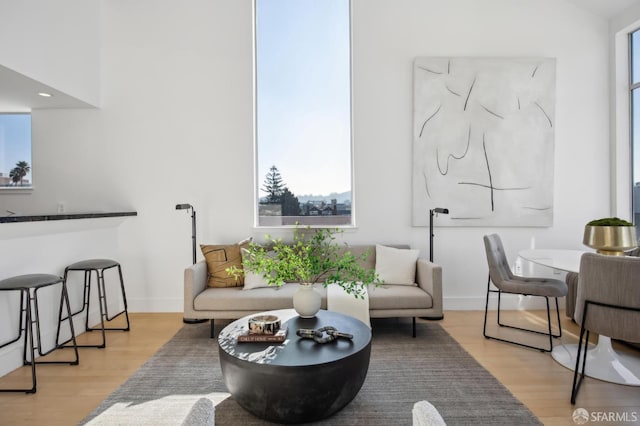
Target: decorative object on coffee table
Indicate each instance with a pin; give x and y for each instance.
(314, 256)
(610, 236)
(264, 324)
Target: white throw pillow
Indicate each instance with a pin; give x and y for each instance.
(396, 266)
(252, 279)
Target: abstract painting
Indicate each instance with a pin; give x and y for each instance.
(484, 140)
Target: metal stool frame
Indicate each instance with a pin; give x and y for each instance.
(28, 319)
(102, 303)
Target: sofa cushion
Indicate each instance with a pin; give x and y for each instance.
(219, 257)
(256, 300)
(396, 266)
(398, 297)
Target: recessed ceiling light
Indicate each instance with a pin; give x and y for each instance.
(45, 94)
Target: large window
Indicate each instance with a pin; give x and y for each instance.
(15, 151)
(303, 112)
(635, 126)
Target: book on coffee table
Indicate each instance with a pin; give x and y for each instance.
(278, 337)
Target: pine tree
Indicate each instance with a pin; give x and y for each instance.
(273, 186)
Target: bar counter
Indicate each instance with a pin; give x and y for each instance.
(63, 216)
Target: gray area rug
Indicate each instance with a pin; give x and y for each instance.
(402, 371)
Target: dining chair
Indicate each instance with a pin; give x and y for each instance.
(608, 303)
(506, 282)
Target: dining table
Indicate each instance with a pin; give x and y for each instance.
(603, 361)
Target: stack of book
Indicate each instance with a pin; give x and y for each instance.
(278, 337)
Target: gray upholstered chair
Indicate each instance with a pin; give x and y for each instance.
(608, 303)
(572, 283)
(506, 282)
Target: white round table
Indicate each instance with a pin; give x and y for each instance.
(603, 362)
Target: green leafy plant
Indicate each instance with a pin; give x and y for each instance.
(609, 221)
(313, 256)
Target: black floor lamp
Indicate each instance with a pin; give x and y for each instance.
(193, 247)
(193, 226)
(432, 212)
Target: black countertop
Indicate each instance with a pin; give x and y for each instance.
(62, 216)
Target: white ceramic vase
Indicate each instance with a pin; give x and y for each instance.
(306, 301)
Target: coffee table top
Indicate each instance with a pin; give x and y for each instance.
(295, 350)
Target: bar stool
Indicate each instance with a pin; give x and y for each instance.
(28, 286)
(88, 267)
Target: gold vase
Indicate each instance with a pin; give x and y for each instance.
(610, 240)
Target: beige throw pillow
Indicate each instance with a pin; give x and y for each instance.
(396, 266)
(219, 257)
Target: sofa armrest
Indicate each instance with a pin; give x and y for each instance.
(195, 282)
(429, 278)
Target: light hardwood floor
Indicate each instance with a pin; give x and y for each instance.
(66, 394)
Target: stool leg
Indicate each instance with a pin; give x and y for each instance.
(103, 296)
(26, 322)
(64, 297)
(87, 298)
(29, 311)
(73, 314)
(100, 305)
(124, 300)
(28, 342)
(29, 335)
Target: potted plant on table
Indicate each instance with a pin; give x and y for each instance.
(313, 256)
(610, 235)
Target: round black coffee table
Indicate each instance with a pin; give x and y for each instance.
(297, 380)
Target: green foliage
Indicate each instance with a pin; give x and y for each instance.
(290, 203)
(609, 221)
(314, 255)
(18, 173)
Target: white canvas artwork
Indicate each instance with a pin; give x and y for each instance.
(484, 141)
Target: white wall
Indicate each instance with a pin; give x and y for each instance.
(176, 127)
(54, 42)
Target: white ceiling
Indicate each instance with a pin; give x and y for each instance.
(605, 8)
(19, 93)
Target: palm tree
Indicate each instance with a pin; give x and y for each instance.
(19, 172)
(14, 174)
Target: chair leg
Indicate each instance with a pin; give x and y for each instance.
(546, 299)
(486, 308)
(577, 381)
(549, 333)
(414, 327)
(558, 317)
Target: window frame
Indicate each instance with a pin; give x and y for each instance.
(634, 139)
(257, 178)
